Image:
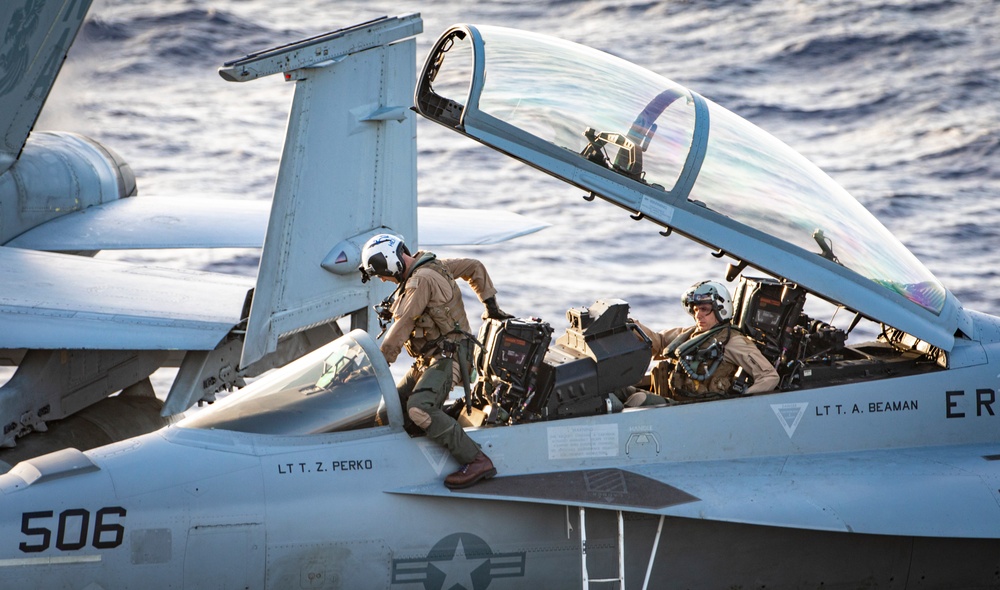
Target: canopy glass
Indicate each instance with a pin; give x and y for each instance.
(650, 129)
(333, 389)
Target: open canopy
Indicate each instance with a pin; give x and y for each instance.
(656, 148)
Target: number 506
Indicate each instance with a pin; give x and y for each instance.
(69, 537)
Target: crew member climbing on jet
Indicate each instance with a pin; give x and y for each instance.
(429, 319)
(702, 362)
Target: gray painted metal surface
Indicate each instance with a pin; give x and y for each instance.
(60, 301)
(841, 498)
(326, 190)
(152, 223)
(187, 222)
(37, 37)
(323, 50)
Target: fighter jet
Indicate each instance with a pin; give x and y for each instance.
(80, 328)
(873, 464)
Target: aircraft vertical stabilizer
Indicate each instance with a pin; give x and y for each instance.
(36, 37)
(348, 169)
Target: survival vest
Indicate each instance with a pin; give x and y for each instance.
(696, 368)
(438, 321)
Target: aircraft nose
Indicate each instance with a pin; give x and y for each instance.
(56, 512)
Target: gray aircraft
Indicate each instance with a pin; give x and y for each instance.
(873, 464)
(80, 328)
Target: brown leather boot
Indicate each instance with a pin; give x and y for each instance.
(480, 468)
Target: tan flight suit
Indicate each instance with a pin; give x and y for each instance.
(739, 351)
(427, 312)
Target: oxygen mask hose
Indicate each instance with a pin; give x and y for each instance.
(383, 311)
(713, 352)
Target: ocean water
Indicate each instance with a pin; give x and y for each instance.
(895, 99)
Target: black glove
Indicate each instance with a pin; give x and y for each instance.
(493, 311)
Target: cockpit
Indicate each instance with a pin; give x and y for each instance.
(525, 375)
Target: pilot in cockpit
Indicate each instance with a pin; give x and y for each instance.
(710, 360)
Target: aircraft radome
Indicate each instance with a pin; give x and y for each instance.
(105, 326)
(875, 464)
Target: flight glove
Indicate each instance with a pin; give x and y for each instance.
(493, 311)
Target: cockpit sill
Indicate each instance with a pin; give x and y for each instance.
(344, 390)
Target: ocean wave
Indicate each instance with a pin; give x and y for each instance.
(857, 106)
(975, 157)
(839, 50)
(185, 38)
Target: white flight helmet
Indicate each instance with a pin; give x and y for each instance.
(710, 292)
(382, 256)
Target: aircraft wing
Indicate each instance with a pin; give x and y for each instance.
(949, 491)
(189, 222)
(445, 226)
(60, 301)
(152, 222)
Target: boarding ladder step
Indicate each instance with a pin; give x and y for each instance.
(621, 553)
